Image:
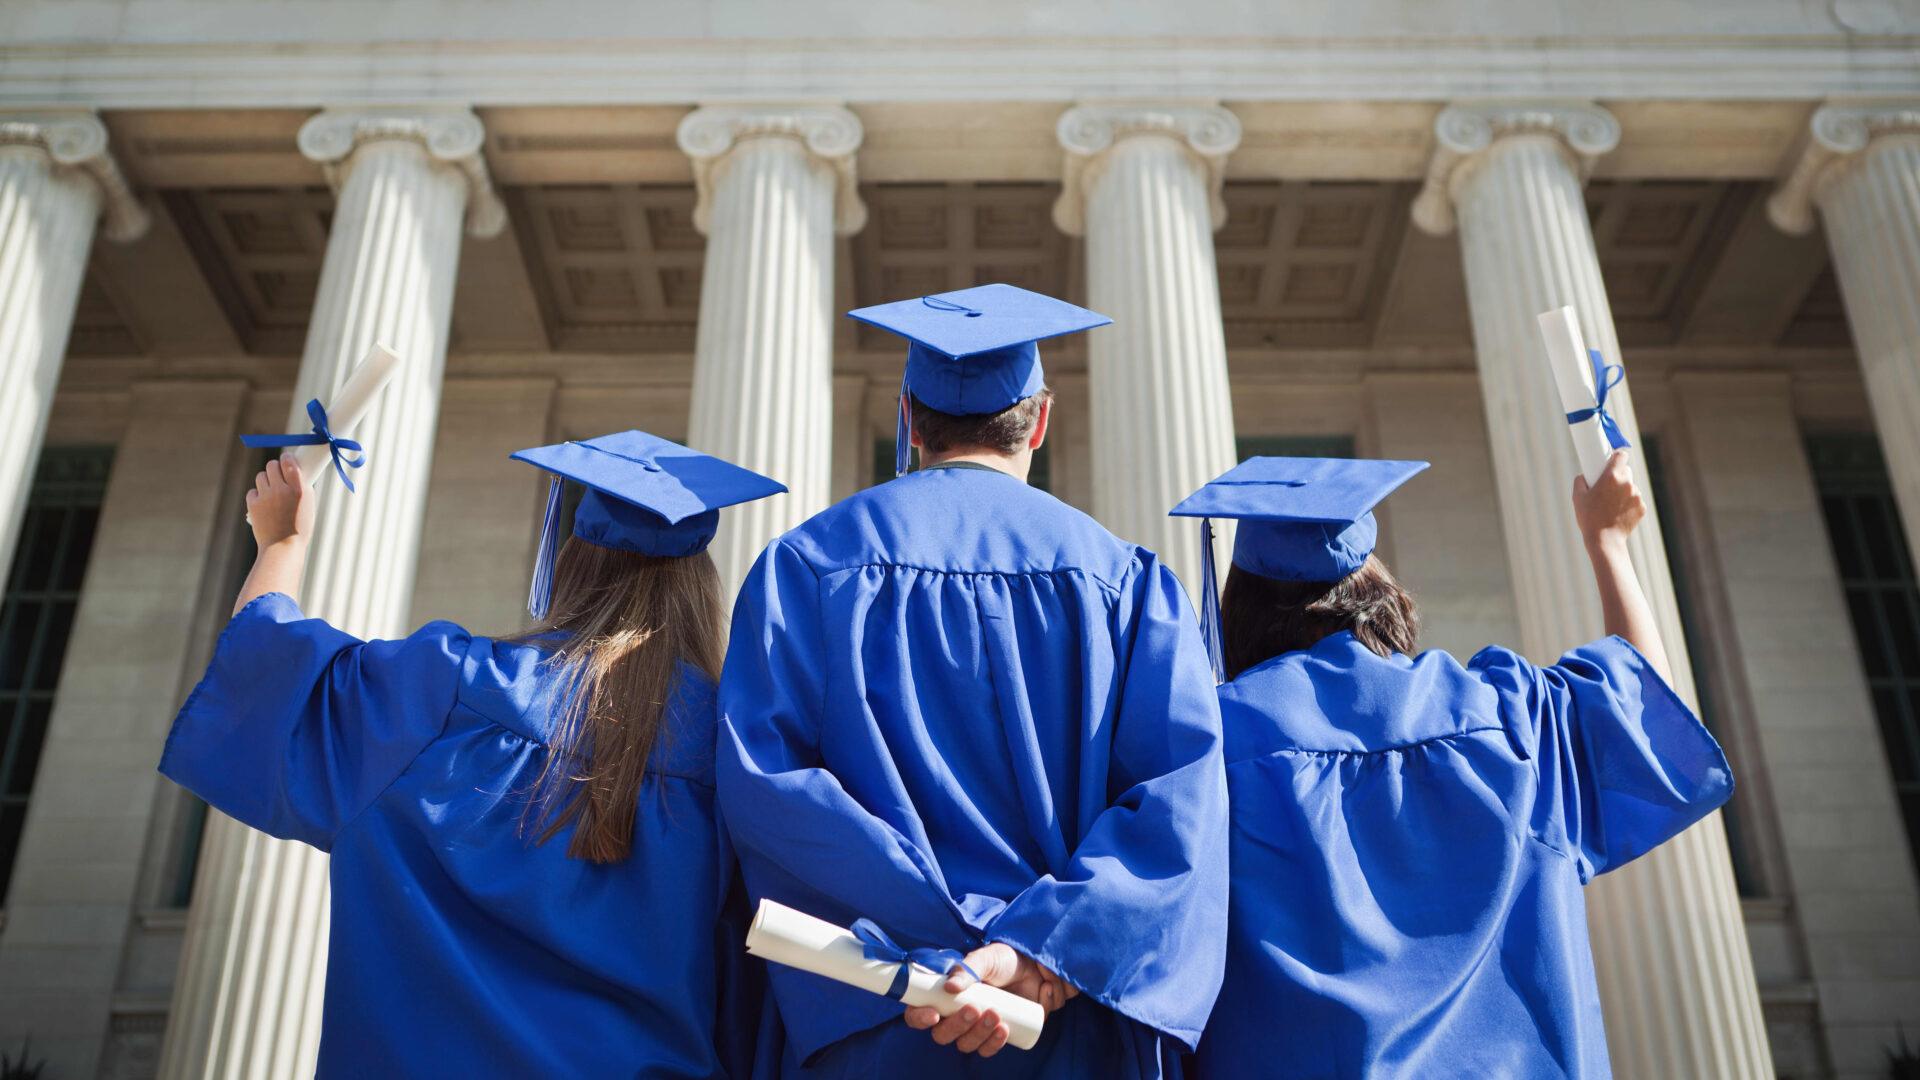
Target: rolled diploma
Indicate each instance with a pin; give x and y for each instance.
(1573, 375)
(348, 407)
(785, 936)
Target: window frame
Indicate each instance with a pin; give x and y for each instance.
(1849, 465)
(65, 479)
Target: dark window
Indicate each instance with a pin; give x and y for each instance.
(1745, 877)
(186, 860)
(883, 459)
(1863, 525)
(1040, 475)
(36, 617)
(190, 821)
(1293, 446)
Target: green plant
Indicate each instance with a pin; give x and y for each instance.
(22, 1067)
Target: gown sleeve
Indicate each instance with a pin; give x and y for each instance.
(1624, 764)
(297, 726)
(1138, 919)
(802, 839)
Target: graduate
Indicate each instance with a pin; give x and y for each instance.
(1410, 836)
(528, 878)
(961, 709)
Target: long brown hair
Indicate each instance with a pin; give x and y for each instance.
(626, 621)
(1261, 618)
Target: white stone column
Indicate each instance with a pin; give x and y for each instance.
(247, 1003)
(776, 184)
(76, 880)
(1142, 185)
(1676, 979)
(1861, 168)
(56, 181)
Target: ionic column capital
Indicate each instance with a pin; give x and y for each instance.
(1088, 132)
(77, 140)
(830, 133)
(1837, 138)
(450, 135)
(1464, 132)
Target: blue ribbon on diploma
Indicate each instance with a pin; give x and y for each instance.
(1605, 377)
(338, 447)
(878, 946)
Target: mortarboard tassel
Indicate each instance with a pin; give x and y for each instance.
(902, 436)
(540, 596)
(1210, 631)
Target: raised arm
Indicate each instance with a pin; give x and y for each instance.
(280, 509)
(1607, 513)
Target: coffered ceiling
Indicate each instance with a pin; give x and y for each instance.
(926, 238)
(260, 250)
(99, 329)
(1658, 242)
(1304, 264)
(612, 268)
(615, 267)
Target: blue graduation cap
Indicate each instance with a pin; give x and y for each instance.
(975, 351)
(644, 494)
(1301, 519)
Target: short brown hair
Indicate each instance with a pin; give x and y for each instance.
(1003, 432)
(1262, 618)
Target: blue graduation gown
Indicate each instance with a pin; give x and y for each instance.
(960, 708)
(1409, 842)
(458, 947)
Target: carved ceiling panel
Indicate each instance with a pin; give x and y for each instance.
(260, 250)
(616, 267)
(1658, 242)
(1820, 319)
(1306, 264)
(99, 327)
(928, 238)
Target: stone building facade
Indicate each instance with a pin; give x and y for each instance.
(1320, 231)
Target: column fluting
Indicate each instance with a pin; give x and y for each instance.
(56, 181)
(1861, 169)
(247, 1001)
(1143, 187)
(1670, 948)
(775, 187)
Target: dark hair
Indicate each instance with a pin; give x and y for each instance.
(629, 621)
(1004, 432)
(1262, 618)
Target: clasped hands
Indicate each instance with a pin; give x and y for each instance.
(972, 1030)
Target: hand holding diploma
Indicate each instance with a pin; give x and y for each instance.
(785, 936)
(973, 1031)
(350, 406)
(1584, 380)
(280, 507)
